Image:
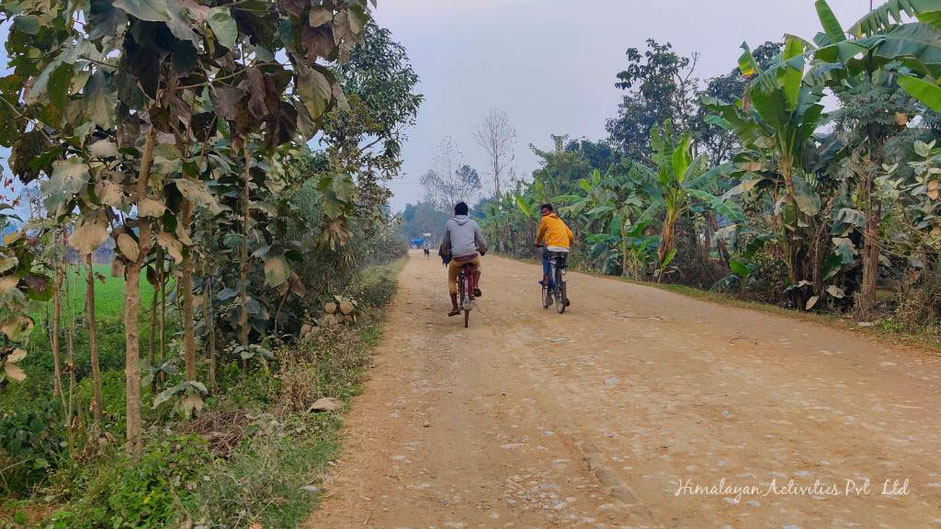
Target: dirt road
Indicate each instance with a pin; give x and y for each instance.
(612, 415)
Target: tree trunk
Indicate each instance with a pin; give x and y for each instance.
(186, 285)
(54, 335)
(870, 255)
(132, 359)
(666, 242)
(152, 353)
(162, 315)
(723, 250)
(625, 258)
(793, 240)
(211, 332)
(69, 349)
(707, 240)
(93, 339)
(243, 254)
(131, 306)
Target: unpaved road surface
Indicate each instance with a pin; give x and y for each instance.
(612, 414)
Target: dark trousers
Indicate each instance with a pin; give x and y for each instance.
(546, 268)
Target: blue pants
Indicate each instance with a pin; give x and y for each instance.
(546, 267)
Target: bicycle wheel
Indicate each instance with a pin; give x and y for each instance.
(466, 302)
(466, 318)
(461, 293)
(546, 297)
(560, 293)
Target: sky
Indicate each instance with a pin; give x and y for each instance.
(551, 64)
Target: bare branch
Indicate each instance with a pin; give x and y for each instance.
(497, 137)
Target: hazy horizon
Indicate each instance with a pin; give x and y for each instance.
(552, 68)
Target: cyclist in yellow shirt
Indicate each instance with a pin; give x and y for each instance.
(556, 235)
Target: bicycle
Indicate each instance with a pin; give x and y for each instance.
(554, 288)
(466, 285)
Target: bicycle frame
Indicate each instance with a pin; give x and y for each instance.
(466, 283)
(555, 288)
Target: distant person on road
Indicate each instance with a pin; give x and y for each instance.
(463, 243)
(556, 235)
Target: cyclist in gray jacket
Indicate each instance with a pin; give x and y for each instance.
(463, 243)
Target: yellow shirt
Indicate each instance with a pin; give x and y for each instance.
(554, 232)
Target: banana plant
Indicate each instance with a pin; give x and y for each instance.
(678, 181)
(775, 127)
(884, 38)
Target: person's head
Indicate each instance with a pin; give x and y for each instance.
(546, 210)
(460, 208)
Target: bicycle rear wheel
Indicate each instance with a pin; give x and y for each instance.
(466, 317)
(560, 292)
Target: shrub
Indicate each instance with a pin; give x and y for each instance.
(148, 493)
(31, 443)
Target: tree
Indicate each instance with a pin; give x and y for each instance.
(366, 138)
(561, 168)
(776, 131)
(715, 141)
(451, 180)
(679, 179)
(423, 217)
(660, 87)
(497, 137)
(125, 105)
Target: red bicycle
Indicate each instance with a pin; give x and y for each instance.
(466, 286)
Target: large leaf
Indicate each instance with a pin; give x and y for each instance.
(197, 193)
(103, 149)
(68, 178)
(100, 99)
(792, 77)
(109, 194)
(314, 89)
(13, 372)
(91, 231)
(276, 271)
(917, 45)
(927, 92)
(830, 23)
(17, 326)
(128, 247)
(172, 245)
(681, 158)
(726, 209)
(844, 247)
(151, 10)
(808, 201)
(891, 12)
(150, 208)
(525, 207)
(746, 62)
(223, 26)
(739, 268)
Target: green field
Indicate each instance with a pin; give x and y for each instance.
(109, 305)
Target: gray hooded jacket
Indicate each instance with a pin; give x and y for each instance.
(462, 237)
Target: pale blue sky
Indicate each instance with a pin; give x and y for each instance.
(551, 64)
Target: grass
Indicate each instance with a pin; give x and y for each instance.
(109, 305)
(266, 477)
(109, 293)
(882, 329)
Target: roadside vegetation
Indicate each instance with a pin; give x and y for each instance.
(197, 257)
(745, 184)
